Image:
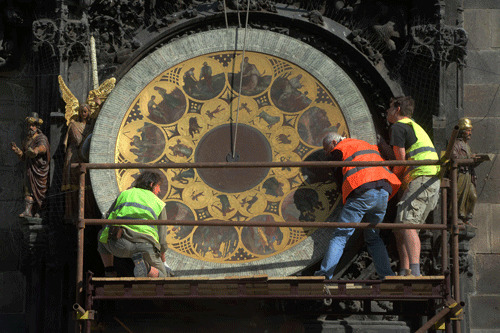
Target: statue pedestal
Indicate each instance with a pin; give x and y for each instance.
(33, 241)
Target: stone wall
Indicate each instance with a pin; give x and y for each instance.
(481, 105)
(15, 106)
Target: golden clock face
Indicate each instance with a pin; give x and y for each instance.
(194, 112)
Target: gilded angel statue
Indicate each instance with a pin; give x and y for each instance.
(94, 101)
(80, 120)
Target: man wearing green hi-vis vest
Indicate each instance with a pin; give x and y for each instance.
(420, 183)
(145, 244)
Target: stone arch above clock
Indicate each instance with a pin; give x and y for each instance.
(158, 114)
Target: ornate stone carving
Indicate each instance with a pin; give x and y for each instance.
(63, 34)
(385, 33)
(45, 32)
(447, 44)
(315, 17)
(465, 260)
(254, 5)
(363, 45)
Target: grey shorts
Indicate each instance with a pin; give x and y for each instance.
(123, 248)
(419, 199)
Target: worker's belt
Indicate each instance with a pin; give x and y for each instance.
(115, 232)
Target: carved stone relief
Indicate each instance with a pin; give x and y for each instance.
(447, 44)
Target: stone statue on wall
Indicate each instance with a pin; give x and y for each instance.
(467, 195)
(80, 121)
(35, 152)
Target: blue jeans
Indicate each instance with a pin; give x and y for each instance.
(371, 206)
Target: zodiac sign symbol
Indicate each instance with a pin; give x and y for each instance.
(211, 114)
(270, 120)
(283, 139)
(248, 202)
(245, 107)
(194, 128)
(195, 196)
(182, 176)
(226, 205)
(181, 150)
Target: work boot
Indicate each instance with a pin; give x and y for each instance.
(140, 269)
(28, 208)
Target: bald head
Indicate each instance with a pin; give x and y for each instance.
(330, 140)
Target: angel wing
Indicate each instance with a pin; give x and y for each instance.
(71, 101)
(97, 96)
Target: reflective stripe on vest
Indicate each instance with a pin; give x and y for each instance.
(356, 169)
(136, 203)
(422, 149)
(358, 150)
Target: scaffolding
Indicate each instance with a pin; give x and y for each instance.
(443, 290)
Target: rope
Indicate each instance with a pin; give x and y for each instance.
(241, 78)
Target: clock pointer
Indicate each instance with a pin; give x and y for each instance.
(233, 156)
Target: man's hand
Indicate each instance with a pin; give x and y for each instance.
(16, 149)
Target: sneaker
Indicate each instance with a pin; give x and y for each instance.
(405, 272)
(140, 269)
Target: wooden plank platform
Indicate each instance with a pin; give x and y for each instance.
(414, 278)
(397, 287)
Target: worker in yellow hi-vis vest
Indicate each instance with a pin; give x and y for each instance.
(145, 244)
(420, 183)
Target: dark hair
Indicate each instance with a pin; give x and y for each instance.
(147, 180)
(406, 105)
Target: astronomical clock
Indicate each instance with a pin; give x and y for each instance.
(217, 104)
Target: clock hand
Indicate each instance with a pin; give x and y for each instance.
(241, 82)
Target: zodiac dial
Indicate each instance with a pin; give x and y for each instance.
(190, 113)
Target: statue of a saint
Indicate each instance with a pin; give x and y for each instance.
(466, 187)
(35, 152)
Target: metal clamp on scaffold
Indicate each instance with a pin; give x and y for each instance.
(81, 314)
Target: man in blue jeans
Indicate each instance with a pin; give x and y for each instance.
(365, 193)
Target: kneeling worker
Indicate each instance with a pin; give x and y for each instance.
(145, 244)
(365, 193)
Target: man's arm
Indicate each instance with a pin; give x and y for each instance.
(400, 154)
(16, 149)
(162, 234)
(33, 152)
(336, 155)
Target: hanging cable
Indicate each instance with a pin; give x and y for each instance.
(225, 15)
(241, 79)
(238, 12)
